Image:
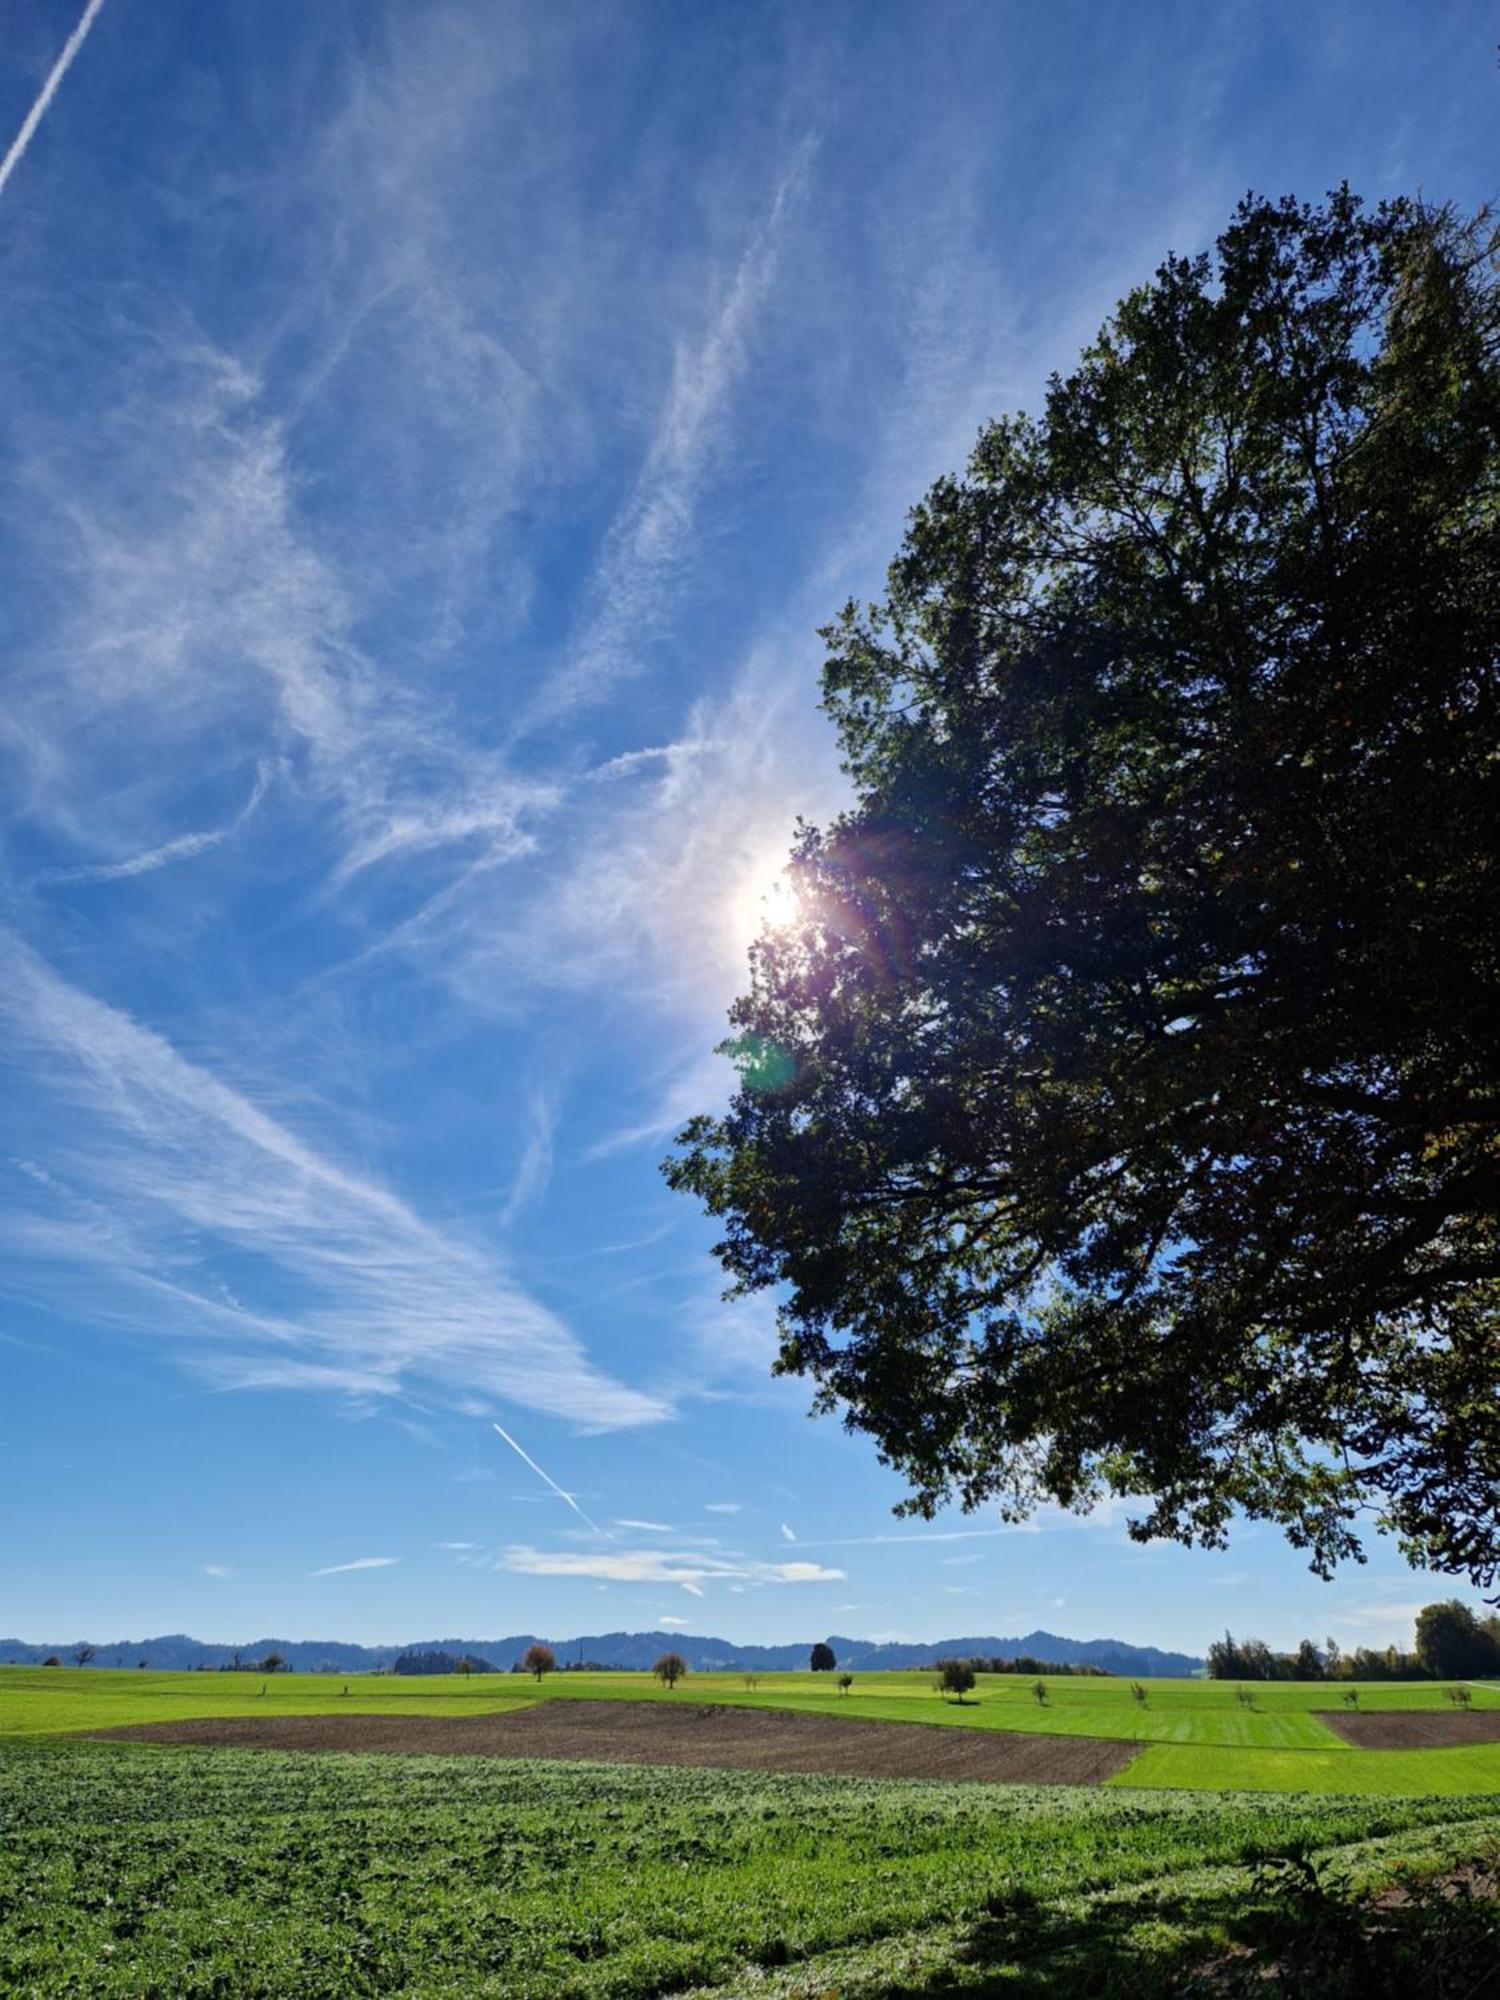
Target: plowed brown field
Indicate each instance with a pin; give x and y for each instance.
(1411, 1729)
(623, 1732)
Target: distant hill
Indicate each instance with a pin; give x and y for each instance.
(175, 1651)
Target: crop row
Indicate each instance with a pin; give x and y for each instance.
(147, 1872)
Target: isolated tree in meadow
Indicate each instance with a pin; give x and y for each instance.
(955, 1677)
(821, 1660)
(273, 1663)
(846, 1681)
(1138, 1694)
(669, 1669)
(1039, 1693)
(538, 1660)
(83, 1652)
(52, 1661)
(1118, 1109)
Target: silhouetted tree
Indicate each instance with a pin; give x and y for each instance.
(846, 1681)
(83, 1652)
(822, 1660)
(1118, 1109)
(539, 1660)
(669, 1669)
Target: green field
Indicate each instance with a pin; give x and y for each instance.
(160, 1870)
(1194, 1733)
(130, 1870)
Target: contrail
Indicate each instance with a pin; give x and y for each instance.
(48, 91)
(561, 1492)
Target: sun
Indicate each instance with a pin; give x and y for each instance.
(766, 897)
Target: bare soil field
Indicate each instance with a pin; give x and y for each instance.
(1412, 1729)
(622, 1732)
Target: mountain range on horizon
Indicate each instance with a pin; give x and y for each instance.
(630, 1651)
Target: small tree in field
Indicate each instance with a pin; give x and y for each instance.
(1138, 1694)
(273, 1663)
(752, 1681)
(955, 1677)
(52, 1661)
(83, 1652)
(670, 1669)
(1351, 1699)
(1039, 1690)
(1461, 1697)
(846, 1681)
(538, 1660)
(822, 1660)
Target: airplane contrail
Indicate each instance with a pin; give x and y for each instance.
(48, 91)
(561, 1492)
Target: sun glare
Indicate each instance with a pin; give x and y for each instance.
(767, 896)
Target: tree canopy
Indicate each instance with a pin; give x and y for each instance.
(1118, 1110)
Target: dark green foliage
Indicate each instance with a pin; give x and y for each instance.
(955, 1677)
(1451, 1640)
(437, 1663)
(1133, 1113)
(822, 1659)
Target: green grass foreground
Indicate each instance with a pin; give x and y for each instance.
(1193, 1733)
(132, 1870)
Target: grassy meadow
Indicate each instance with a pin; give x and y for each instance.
(1194, 1733)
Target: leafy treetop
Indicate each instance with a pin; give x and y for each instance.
(1119, 1109)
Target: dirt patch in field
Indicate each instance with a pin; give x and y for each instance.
(1414, 1729)
(689, 1732)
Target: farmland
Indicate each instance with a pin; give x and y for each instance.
(130, 1868)
(1191, 1733)
(127, 1870)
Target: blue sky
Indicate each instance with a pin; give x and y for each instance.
(432, 437)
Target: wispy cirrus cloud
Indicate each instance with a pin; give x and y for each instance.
(184, 847)
(360, 1562)
(162, 1181)
(690, 1569)
(647, 541)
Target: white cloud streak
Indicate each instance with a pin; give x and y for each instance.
(690, 1569)
(360, 1562)
(547, 1479)
(647, 541)
(47, 92)
(183, 848)
(156, 1177)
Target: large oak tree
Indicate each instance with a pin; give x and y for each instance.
(1120, 1109)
